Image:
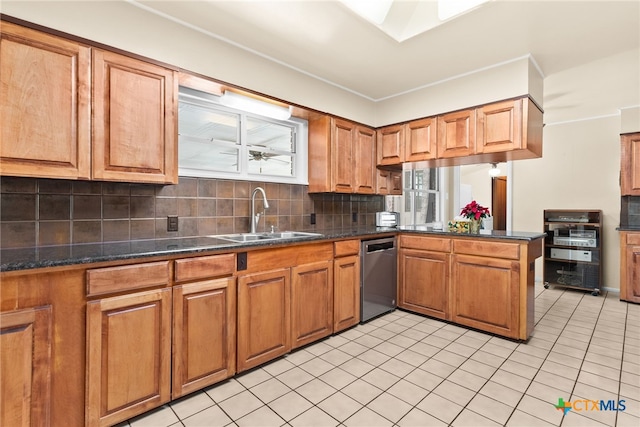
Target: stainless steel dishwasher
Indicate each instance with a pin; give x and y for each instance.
(378, 279)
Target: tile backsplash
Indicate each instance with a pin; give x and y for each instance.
(630, 211)
(43, 212)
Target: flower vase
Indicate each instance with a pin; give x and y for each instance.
(474, 226)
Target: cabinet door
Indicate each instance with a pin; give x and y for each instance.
(128, 355)
(499, 127)
(204, 334)
(630, 267)
(311, 302)
(396, 183)
(365, 165)
(390, 145)
(25, 367)
(420, 140)
(346, 292)
(264, 317)
(45, 109)
(342, 156)
(424, 282)
(134, 120)
(630, 165)
(457, 134)
(485, 294)
(383, 181)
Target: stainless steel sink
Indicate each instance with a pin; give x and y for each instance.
(252, 237)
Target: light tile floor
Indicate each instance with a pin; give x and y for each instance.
(404, 369)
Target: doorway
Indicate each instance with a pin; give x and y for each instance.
(499, 202)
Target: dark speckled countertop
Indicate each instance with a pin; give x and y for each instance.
(64, 255)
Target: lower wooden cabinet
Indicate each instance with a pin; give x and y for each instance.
(264, 317)
(311, 302)
(128, 355)
(630, 266)
(204, 334)
(346, 292)
(486, 293)
(25, 367)
(424, 282)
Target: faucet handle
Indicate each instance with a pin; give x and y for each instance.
(273, 228)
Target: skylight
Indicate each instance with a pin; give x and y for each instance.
(403, 19)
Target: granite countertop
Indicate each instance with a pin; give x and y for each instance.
(65, 255)
(629, 228)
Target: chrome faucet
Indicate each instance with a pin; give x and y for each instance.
(256, 217)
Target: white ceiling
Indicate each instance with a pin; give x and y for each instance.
(326, 40)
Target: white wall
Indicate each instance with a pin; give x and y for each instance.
(578, 170)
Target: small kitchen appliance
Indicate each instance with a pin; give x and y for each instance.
(387, 219)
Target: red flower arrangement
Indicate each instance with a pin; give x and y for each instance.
(474, 211)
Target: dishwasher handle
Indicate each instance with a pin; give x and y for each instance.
(377, 247)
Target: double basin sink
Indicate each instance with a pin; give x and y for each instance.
(252, 237)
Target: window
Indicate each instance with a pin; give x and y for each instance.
(220, 142)
(421, 201)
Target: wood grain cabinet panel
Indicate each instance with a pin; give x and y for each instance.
(342, 156)
(346, 292)
(486, 294)
(424, 282)
(365, 160)
(630, 165)
(499, 127)
(204, 334)
(390, 145)
(45, 107)
(630, 266)
(457, 134)
(128, 356)
(264, 317)
(25, 367)
(134, 120)
(311, 302)
(421, 140)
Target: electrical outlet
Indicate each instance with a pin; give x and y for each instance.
(172, 223)
(313, 218)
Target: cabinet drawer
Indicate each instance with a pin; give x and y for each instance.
(102, 281)
(633, 239)
(484, 248)
(205, 266)
(346, 247)
(426, 243)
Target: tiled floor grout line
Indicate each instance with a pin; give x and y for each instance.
(566, 307)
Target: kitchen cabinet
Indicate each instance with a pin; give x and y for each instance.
(45, 105)
(25, 367)
(264, 317)
(499, 126)
(341, 158)
(121, 382)
(421, 140)
(76, 112)
(204, 322)
(389, 182)
(424, 275)
(134, 120)
(630, 165)
(390, 142)
(630, 266)
(311, 302)
(346, 282)
(481, 283)
(457, 134)
(271, 316)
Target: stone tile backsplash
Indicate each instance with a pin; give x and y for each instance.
(44, 212)
(630, 211)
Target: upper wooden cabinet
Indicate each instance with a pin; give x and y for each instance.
(341, 156)
(391, 145)
(48, 129)
(45, 107)
(457, 134)
(630, 165)
(497, 132)
(134, 120)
